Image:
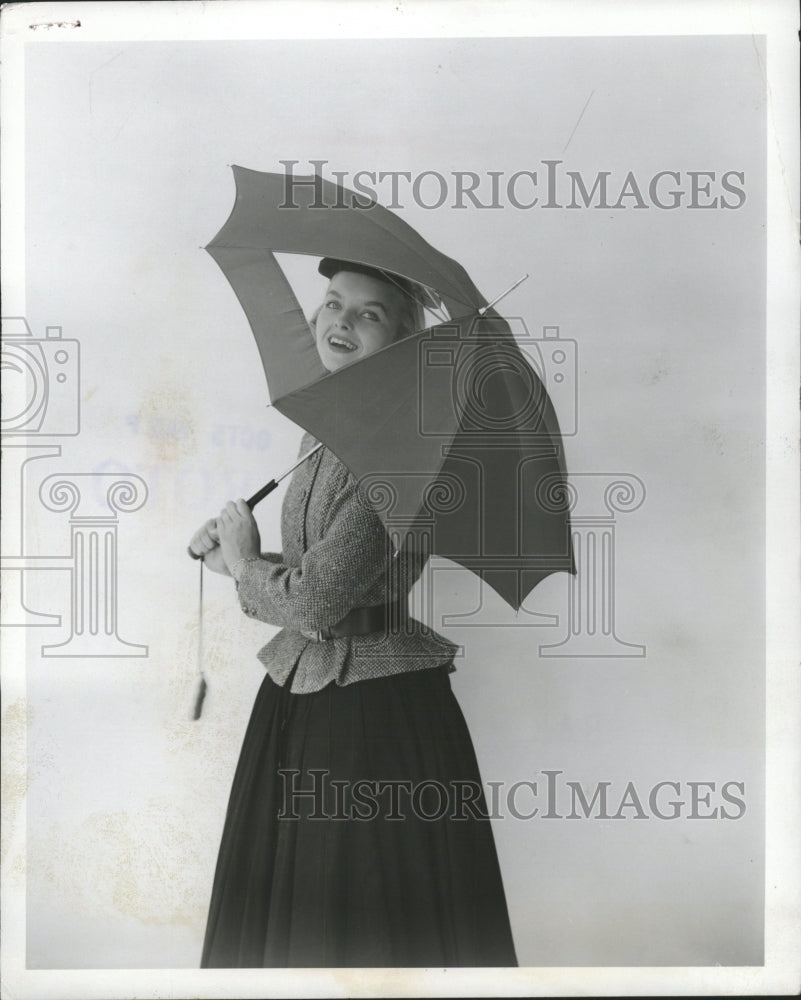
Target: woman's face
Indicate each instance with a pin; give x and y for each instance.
(359, 315)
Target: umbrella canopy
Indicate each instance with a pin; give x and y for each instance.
(450, 431)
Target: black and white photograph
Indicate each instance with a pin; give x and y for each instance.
(400, 505)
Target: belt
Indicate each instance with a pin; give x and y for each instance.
(363, 621)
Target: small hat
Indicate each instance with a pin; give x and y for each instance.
(329, 266)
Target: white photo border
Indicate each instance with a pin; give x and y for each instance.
(26, 25)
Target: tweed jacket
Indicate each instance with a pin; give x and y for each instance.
(336, 556)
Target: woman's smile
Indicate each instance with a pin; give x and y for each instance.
(340, 343)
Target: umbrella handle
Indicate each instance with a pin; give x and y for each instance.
(257, 497)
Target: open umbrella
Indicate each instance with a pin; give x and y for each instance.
(450, 431)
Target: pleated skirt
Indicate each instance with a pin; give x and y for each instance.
(357, 835)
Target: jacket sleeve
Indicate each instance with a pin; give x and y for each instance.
(335, 573)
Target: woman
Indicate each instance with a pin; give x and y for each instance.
(356, 831)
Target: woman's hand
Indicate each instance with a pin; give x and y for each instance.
(206, 544)
(238, 533)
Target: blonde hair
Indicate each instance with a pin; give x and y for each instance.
(411, 319)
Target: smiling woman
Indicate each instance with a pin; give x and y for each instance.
(357, 692)
(364, 310)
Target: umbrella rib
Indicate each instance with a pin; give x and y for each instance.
(400, 405)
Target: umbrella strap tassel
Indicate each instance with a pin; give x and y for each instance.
(202, 686)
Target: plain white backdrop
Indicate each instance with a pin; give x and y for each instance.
(128, 147)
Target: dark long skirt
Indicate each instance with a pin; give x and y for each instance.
(395, 866)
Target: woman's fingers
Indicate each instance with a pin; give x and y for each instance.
(235, 511)
(238, 532)
(233, 534)
(202, 543)
(209, 540)
(225, 522)
(205, 538)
